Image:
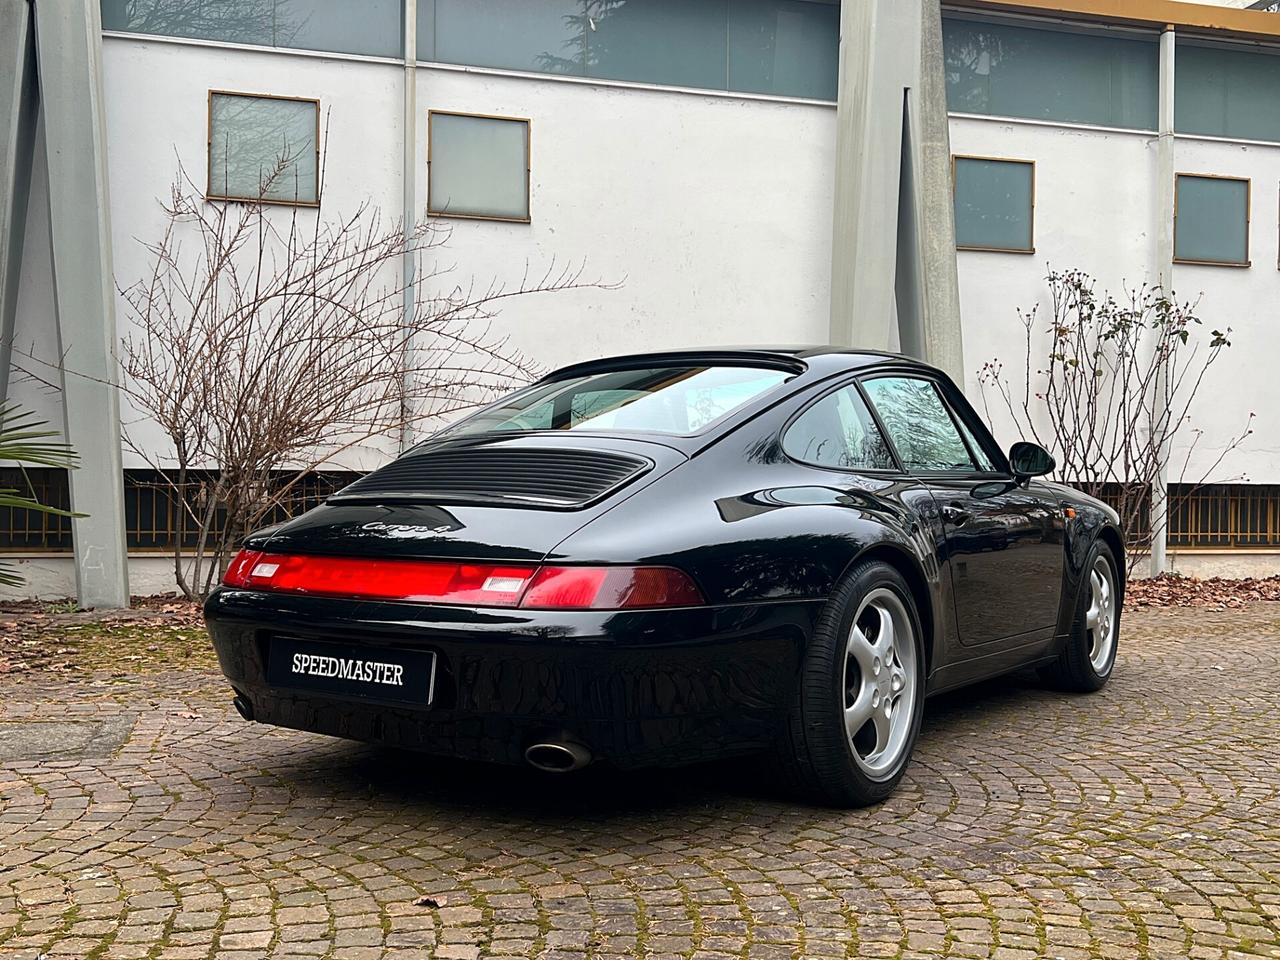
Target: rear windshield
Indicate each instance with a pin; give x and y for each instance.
(675, 400)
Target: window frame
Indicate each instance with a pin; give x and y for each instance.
(528, 167)
(960, 413)
(1247, 262)
(209, 195)
(1031, 213)
(855, 383)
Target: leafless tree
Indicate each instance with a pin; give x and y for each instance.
(265, 343)
(1108, 388)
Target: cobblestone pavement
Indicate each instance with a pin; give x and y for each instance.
(143, 819)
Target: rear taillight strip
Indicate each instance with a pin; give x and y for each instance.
(465, 584)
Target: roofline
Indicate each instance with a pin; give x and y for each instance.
(1197, 18)
(778, 359)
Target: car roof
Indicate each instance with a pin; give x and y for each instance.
(818, 361)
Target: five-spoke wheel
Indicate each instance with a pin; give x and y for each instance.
(1089, 654)
(857, 712)
(880, 682)
(1100, 617)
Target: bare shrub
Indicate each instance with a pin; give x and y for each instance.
(265, 343)
(1109, 390)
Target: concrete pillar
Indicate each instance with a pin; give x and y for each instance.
(18, 105)
(409, 186)
(935, 208)
(893, 239)
(68, 51)
(1165, 201)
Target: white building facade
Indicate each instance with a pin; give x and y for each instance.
(687, 152)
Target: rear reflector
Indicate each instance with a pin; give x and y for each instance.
(466, 584)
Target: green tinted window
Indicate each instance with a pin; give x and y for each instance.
(1212, 220)
(1045, 74)
(780, 47)
(369, 27)
(1226, 92)
(995, 202)
(263, 147)
(479, 167)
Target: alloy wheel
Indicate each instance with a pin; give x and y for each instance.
(880, 683)
(1100, 618)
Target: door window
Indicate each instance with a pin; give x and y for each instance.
(918, 423)
(838, 431)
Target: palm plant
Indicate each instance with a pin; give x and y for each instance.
(24, 443)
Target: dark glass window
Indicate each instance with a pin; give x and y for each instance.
(919, 424)
(781, 47)
(1045, 74)
(838, 431)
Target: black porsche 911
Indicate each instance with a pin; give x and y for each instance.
(674, 557)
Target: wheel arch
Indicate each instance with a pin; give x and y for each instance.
(1111, 537)
(909, 567)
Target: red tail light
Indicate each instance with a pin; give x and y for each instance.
(425, 581)
(610, 588)
(468, 584)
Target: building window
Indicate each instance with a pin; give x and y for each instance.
(477, 166)
(1223, 91)
(995, 204)
(778, 47)
(1211, 220)
(264, 148)
(1048, 74)
(368, 28)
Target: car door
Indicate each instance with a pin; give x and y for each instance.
(1004, 540)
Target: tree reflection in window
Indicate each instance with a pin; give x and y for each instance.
(918, 423)
(838, 431)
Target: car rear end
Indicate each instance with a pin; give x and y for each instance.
(427, 606)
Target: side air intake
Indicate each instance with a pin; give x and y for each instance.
(552, 478)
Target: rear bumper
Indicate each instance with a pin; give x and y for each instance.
(637, 688)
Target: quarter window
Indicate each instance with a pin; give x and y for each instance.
(263, 148)
(838, 431)
(918, 423)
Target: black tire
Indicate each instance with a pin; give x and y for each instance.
(1074, 670)
(814, 755)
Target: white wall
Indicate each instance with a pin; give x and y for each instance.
(713, 212)
(1096, 209)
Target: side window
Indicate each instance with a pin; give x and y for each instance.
(838, 431)
(985, 463)
(918, 423)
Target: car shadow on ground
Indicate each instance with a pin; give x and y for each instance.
(405, 778)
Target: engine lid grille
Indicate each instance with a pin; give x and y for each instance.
(563, 479)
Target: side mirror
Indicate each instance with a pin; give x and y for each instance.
(1028, 460)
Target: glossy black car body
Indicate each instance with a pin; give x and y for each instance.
(995, 563)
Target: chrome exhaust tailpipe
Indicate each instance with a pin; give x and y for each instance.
(561, 757)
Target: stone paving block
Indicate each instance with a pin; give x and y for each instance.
(1137, 822)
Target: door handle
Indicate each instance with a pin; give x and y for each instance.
(953, 514)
